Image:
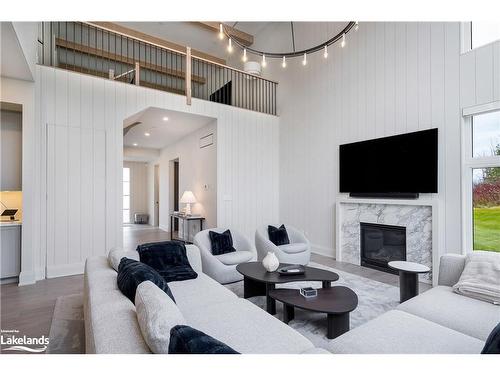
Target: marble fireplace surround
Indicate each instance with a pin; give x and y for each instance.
(419, 216)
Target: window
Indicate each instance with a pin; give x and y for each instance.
(486, 134)
(481, 177)
(483, 33)
(486, 208)
(126, 195)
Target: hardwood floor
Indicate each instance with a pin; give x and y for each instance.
(29, 308)
(136, 234)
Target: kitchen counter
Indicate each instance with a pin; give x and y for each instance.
(11, 223)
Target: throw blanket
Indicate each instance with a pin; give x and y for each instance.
(480, 278)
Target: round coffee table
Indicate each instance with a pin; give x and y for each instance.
(337, 302)
(257, 281)
(408, 278)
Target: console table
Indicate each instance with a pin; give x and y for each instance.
(184, 221)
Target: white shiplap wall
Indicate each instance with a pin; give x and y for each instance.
(480, 75)
(391, 78)
(81, 118)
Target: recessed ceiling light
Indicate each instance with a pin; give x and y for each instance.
(147, 134)
(134, 144)
(165, 118)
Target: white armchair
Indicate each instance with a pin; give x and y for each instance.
(298, 251)
(223, 267)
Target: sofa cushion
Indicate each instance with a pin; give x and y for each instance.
(168, 258)
(235, 257)
(157, 315)
(116, 255)
(397, 332)
(247, 328)
(278, 236)
(102, 300)
(294, 248)
(492, 345)
(221, 243)
(187, 340)
(467, 315)
(132, 272)
(200, 292)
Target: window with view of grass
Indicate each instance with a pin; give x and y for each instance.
(126, 195)
(482, 170)
(486, 208)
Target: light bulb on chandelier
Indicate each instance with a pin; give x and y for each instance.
(230, 46)
(325, 54)
(283, 64)
(244, 58)
(264, 63)
(221, 32)
(304, 62)
(342, 44)
(356, 26)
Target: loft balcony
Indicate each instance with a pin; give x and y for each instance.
(99, 51)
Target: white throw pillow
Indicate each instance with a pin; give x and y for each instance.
(157, 315)
(116, 255)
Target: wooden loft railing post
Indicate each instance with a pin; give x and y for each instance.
(188, 75)
(137, 78)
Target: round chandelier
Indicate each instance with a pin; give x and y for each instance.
(341, 36)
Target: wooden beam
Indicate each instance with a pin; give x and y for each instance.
(241, 36)
(152, 39)
(61, 43)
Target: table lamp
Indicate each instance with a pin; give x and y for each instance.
(188, 198)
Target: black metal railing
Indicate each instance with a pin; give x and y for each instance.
(231, 86)
(90, 49)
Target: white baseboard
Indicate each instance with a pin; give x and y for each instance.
(65, 270)
(162, 227)
(323, 250)
(27, 278)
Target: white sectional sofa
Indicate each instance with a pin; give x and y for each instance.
(436, 321)
(111, 324)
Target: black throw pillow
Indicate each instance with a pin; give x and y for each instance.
(278, 236)
(492, 345)
(187, 340)
(132, 272)
(222, 243)
(168, 258)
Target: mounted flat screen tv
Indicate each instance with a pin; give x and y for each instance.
(400, 166)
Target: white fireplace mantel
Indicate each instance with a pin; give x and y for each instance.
(342, 202)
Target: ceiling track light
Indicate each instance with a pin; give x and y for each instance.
(244, 55)
(325, 54)
(283, 64)
(221, 31)
(304, 62)
(264, 63)
(147, 134)
(230, 46)
(342, 44)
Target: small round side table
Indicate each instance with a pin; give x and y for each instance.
(408, 278)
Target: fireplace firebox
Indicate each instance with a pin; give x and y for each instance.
(381, 244)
